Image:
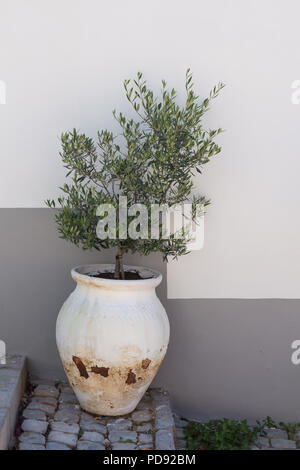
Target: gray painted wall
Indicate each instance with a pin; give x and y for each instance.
(226, 357)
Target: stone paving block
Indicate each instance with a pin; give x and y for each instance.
(27, 446)
(49, 410)
(283, 444)
(147, 427)
(141, 416)
(67, 439)
(275, 433)
(163, 417)
(120, 424)
(144, 405)
(34, 425)
(89, 418)
(56, 446)
(164, 440)
(32, 438)
(123, 446)
(68, 397)
(92, 436)
(88, 445)
(92, 426)
(118, 436)
(67, 416)
(69, 407)
(71, 428)
(45, 401)
(46, 391)
(145, 438)
(34, 414)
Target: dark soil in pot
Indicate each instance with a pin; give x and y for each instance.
(129, 276)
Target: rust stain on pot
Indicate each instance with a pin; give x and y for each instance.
(81, 367)
(145, 363)
(100, 370)
(131, 378)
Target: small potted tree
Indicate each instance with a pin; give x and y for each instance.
(112, 331)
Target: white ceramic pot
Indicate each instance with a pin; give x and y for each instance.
(112, 336)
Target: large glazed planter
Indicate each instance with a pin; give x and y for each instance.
(112, 336)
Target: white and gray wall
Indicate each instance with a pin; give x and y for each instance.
(234, 307)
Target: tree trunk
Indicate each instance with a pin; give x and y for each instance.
(119, 268)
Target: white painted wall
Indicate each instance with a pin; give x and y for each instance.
(63, 62)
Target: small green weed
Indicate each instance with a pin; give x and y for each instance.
(268, 422)
(220, 434)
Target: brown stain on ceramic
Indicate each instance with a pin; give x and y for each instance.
(146, 363)
(131, 378)
(100, 370)
(81, 367)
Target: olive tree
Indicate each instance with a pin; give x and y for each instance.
(151, 161)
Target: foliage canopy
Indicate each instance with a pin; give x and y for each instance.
(152, 161)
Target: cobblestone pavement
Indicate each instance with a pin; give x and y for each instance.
(180, 424)
(276, 439)
(270, 439)
(52, 419)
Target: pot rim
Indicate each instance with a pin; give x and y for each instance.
(80, 274)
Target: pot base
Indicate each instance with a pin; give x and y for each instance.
(110, 391)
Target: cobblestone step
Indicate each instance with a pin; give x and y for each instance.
(12, 386)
